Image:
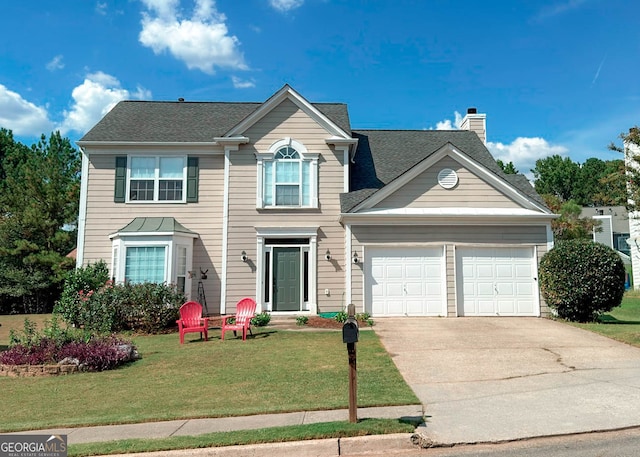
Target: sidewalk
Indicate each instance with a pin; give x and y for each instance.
(190, 427)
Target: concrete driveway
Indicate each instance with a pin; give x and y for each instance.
(495, 379)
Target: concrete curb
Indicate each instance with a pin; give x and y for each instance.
(317, 448)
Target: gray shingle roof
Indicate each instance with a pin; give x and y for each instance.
(155, 224)
(148, 121)
(384, 155)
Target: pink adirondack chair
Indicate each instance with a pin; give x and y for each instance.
(191, 320)
(245, 311)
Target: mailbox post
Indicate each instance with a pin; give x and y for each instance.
(350, 334)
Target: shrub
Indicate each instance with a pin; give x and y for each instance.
(260, 320)
(581, 279)
(146, 308)
(57, 345)
(302, 320)
(79, 284)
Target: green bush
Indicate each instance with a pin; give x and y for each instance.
(260, 320)
(77, 285)
(581, 279)
(302, 320)
(145, 308)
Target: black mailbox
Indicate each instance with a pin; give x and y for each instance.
(350, 331)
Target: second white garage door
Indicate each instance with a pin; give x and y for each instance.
(496, 282)
(405, 282)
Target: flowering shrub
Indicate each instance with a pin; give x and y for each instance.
(91, 302)
(55, 345)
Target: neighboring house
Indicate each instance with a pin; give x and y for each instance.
(631, 150)
(614, 227)
(284, 202)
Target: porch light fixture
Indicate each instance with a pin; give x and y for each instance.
(243, 256)
(355, 257)
(328, 255)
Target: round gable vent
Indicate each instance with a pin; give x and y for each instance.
(447, 178)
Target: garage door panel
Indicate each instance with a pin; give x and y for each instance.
(412, 280)
(496, 281)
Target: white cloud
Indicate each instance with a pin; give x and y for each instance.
(93, 99)
(55, 63)
(202, 42)
(21, 116)
(101, 8)
(448, 124)
(286, 5)
(242, 84)
(524, 152)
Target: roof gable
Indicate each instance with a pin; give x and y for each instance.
(287, 93)
(198, 122)
(388, 159)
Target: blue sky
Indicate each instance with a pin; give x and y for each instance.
(553, 76)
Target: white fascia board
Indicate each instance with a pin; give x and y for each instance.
(287, 93)
(227, 141)
(111, 147)
(276, 232)
(471, 165)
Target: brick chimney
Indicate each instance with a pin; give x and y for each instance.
(476, 123)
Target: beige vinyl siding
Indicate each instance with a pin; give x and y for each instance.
(286, 120)
(105, 217)
(425, 192)
(448, 235)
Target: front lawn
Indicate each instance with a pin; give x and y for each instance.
(276, 371)
(622, 323)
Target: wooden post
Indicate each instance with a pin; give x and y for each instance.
(353, 383)
(353, 372)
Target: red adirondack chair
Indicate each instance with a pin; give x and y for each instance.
(245, 311)
(191, 320)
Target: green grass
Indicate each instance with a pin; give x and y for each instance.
(622, 323)
(266, 435)
(276, 371)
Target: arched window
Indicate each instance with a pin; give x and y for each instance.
(287, 179)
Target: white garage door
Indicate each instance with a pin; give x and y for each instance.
(496, 282)
(405, 282)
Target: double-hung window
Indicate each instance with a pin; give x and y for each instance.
(288, 176)
(157, 179)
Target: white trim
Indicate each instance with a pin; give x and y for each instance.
(145, 143)
(448, 150)
(82, 208)
(305, 156)
(550, 242)
(285, 232)
(287, 93)
(225, 227)
(156, 179)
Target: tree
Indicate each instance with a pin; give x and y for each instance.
(38, 211)
(508, 168)
(631, 150)
(555, 176)
(612, 190)
(570, 225)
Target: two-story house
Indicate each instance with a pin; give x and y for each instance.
(284, 202)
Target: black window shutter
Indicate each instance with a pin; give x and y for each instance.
(121, 180)
(192, 179)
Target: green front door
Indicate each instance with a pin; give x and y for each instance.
(286, 279)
